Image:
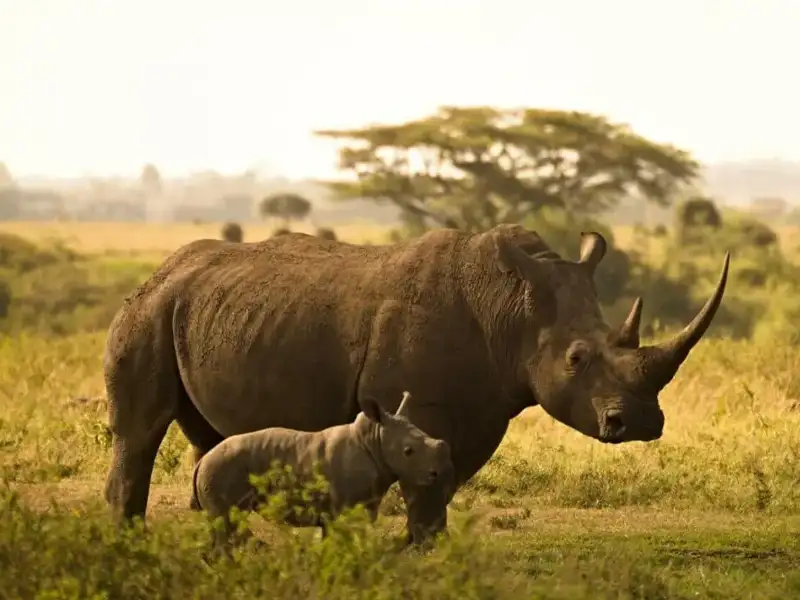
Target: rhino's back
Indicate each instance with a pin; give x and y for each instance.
(274, 333)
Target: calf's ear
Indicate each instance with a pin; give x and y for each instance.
(372, 409)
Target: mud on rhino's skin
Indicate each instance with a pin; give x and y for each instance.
(294, 331)
(359, 461)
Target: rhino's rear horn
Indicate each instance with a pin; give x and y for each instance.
(628, 333)
(662, 361)
(593, 249)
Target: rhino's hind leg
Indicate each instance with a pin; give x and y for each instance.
(143, 392)
(128, 481)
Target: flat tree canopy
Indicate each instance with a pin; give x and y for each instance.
(285, 206)
(475, 167)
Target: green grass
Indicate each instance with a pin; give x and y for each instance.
(712, 510)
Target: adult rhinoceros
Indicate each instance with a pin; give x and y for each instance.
(293, 331)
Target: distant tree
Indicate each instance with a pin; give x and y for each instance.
(150, 179)
(6, 179)
(232, 232)
(475, 167)
(281, 231)
(326, 233)
(699, 211)
(286, 207)
(695, 216)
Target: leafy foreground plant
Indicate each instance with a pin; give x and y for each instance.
(63, 555)
(69, 555)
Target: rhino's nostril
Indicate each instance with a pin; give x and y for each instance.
(614, 427)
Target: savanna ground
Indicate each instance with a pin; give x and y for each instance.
(712, 510)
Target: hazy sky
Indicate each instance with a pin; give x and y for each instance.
(91, 86)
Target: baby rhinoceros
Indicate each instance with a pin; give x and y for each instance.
(359, 460)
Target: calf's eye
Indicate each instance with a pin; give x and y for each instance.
(408, 451)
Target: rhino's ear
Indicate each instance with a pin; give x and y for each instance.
(593, 249)
(513, 259)
(372, 409)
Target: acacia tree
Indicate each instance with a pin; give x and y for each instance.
(285, 206)
(472, 168)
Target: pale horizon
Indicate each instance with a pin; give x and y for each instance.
(92, 88)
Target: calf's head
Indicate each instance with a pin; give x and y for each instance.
(594, 378)
(412, 455)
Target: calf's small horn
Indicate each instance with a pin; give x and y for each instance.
(402, 410)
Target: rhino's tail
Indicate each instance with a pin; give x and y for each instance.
(194, 503)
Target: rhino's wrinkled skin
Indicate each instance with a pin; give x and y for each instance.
(294, 331)
(359, 461)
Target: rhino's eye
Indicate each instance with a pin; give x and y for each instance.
(408, 450)
(577, 355)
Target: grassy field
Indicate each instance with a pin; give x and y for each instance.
(710, 511)
(157, 239)
(152, 238)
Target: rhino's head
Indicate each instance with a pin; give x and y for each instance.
(413, 456)
(597, 379)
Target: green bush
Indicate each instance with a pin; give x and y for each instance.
(20, 255)
(744, 231)
(57, 291)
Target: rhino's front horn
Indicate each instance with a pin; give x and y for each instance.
(662, 361)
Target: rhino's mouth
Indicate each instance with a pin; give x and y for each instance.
(614, 428)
